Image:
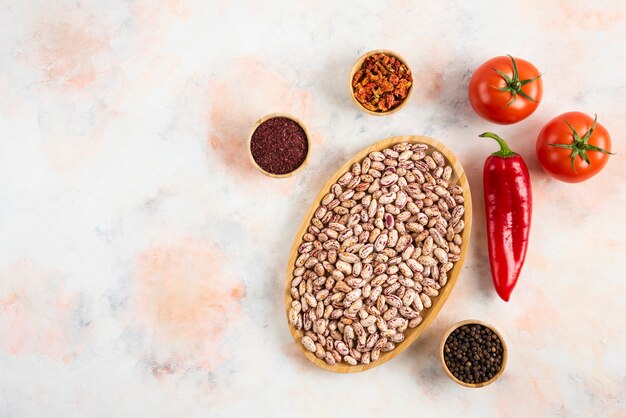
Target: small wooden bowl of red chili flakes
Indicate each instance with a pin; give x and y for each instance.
(381, 82)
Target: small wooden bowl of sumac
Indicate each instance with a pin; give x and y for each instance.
(473, 353)
(278, 145)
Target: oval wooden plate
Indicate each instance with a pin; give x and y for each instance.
(428, 315)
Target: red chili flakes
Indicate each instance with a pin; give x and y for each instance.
(279, 145)
(382, 83)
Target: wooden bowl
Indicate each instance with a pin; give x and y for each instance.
(428, 315)
(357, 67)
(279, 115)
(505, 353)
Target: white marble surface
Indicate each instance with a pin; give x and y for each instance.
(142, 258)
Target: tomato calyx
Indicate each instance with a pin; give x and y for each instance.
(505, 151)
(514, 84)
(580, 145)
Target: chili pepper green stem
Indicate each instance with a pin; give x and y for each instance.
(505, 151)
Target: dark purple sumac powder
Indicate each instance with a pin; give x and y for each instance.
(279, 145)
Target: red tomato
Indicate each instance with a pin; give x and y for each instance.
(505, 90)
(573, 147)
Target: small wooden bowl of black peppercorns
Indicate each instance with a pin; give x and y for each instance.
(473, 353)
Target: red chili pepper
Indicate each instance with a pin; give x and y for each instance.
(508, 205)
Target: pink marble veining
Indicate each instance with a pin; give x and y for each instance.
(186, 300)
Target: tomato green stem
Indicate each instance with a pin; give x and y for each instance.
(514, 84)
(505, 151)
(580, 146)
